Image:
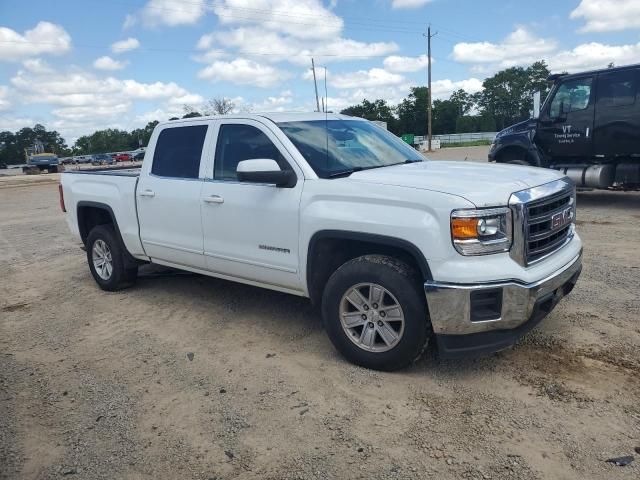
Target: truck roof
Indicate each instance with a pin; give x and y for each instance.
(276, 117)
(555, 76)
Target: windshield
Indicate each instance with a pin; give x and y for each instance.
(335, 147)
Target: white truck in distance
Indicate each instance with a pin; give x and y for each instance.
(401, 253)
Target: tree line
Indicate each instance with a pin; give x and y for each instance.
(506, 98)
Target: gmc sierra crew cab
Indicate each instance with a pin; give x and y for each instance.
(588, 128)
(401, 253)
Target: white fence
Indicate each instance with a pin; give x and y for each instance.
(457, 137)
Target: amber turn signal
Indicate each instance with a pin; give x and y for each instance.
(464, 228)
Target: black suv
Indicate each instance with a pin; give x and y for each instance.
(588, 127)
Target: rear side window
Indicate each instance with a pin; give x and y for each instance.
(178, 151)
(617, 89)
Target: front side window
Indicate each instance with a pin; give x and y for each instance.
(178, 152)
(571, 96)
(617, 89)
(238, 142)
(336, 147)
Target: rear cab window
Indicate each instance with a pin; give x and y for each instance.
(178, 152)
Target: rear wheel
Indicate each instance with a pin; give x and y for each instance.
(375, 313)
(106, 257)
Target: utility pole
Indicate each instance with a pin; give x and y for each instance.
(315, 84)
(429, 37)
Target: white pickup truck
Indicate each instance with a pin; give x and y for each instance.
(400, 252)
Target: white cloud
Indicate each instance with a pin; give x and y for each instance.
(243, 72)
(518, 48)
(409, 3)
(108, 63)
(398, 64)
(172, 12)
(130, 20)
(594, 55)
(125, 45)
(608, 15)
(304, 19)
(280, 103)
(272, 46)
(83, 102)
(5, 104)
(13, 124)
(374, 77)
(46, 37)
(37, 65)
(444, 88)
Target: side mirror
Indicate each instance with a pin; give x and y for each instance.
(265, 170)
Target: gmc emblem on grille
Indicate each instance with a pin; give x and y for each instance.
(559, 220)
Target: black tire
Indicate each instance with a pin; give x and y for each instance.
(121, 276)
(399, 280)
(519, 162)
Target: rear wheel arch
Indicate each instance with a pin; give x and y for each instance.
(330, 249)
(93, 214)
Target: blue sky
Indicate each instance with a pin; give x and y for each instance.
(80, 65)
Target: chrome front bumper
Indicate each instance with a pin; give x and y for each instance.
(450, 305)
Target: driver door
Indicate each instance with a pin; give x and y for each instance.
(565, 127)
(251, 230)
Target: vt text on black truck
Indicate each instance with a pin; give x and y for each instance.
(588, 128)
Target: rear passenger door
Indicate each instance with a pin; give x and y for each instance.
(168, 196)
(617, 120)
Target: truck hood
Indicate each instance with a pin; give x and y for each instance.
(483, 184)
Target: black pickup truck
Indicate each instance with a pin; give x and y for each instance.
(588, 127)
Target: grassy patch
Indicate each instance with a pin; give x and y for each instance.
(474, 143)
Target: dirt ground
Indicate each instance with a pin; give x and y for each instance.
(185, 376)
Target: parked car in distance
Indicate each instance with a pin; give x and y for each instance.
(3, 165)
(83, 159)
(138, 157)
(41, 162)
(402, 254)
(588, 128)
(102, 159)
(67, 160)
(122, 157)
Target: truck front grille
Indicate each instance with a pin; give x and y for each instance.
(548, 224)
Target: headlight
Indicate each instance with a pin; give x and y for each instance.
(481, 231)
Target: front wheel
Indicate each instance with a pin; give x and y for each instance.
(375, 313)
(106, 257)
(519, 162)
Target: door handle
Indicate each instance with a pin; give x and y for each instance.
(147, 193)
(213, 199)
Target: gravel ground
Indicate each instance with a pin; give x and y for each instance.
(186, 376)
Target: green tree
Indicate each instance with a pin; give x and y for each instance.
(445, 113)
(508, 95)
(412, 112)
(377, 110)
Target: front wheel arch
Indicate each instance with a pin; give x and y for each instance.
(330, 249)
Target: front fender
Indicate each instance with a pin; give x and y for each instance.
(417, 217)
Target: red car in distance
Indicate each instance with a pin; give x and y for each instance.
(122, 157)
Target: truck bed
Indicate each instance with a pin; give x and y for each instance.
(113, 189)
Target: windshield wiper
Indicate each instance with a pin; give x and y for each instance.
(349, 171)
(344, 173)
